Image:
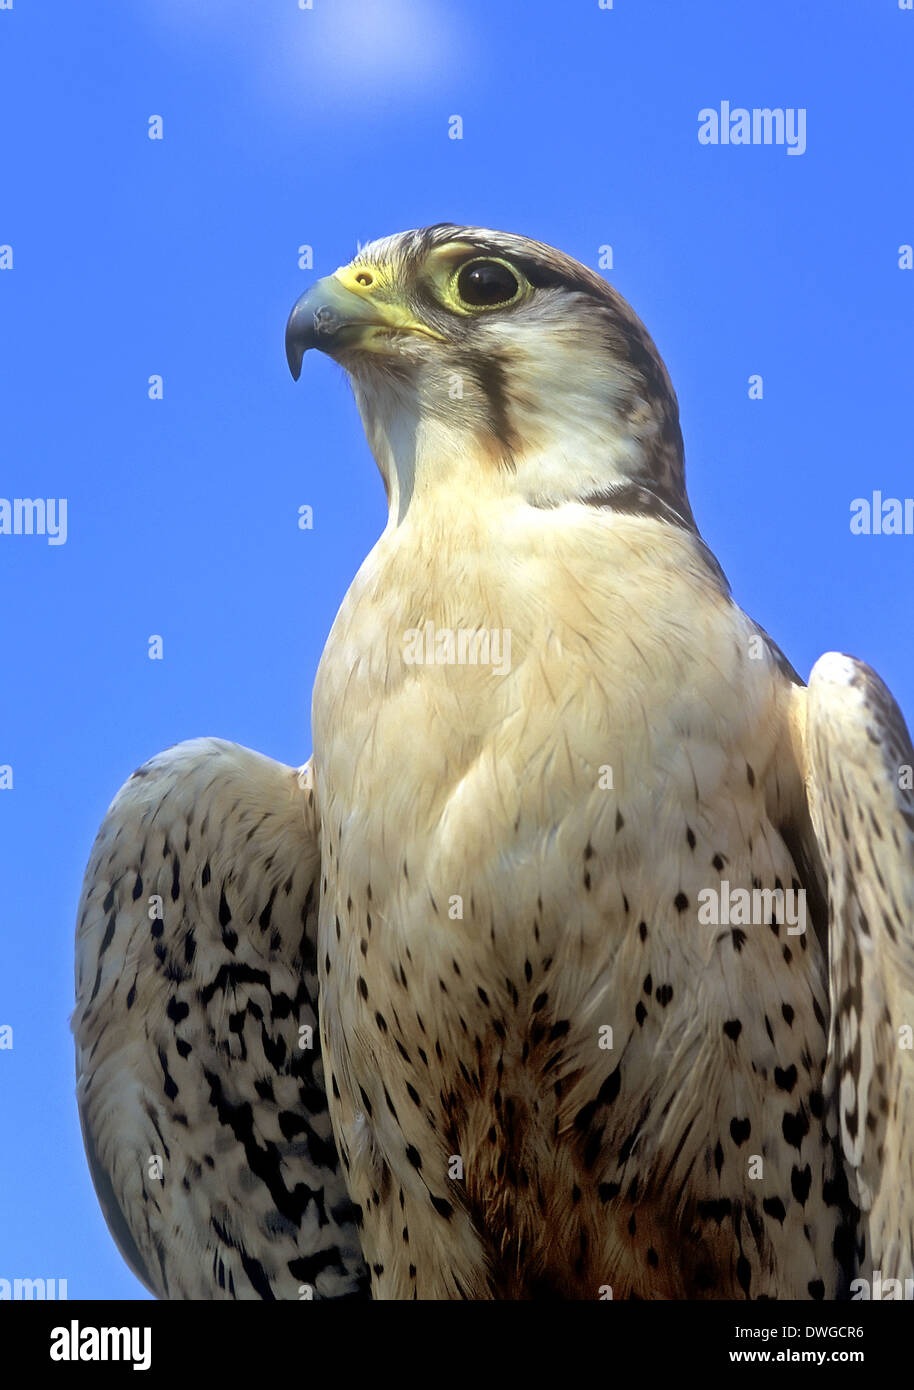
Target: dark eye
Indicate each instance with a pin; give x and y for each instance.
(487, 282)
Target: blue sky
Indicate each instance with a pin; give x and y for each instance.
(179, 257)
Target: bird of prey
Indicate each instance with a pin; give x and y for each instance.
(578, 962)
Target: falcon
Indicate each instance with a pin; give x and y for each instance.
(450, 1012)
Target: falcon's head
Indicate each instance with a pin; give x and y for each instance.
(498, 362)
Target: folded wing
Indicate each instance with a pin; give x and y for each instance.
(859, 780)
(199, 1075)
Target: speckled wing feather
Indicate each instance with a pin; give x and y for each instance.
(199, 1072)
(859, 769)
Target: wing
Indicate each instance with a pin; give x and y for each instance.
(859, 763)
(199, 1076)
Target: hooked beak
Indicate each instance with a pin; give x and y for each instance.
(327, 316)
(332, 318)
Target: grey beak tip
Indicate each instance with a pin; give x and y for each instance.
(295, 349)
(294, 358)
(316, 318)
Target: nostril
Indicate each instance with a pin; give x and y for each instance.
(325, 320)
(364, 277)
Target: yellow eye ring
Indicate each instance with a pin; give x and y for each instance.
(485, 282)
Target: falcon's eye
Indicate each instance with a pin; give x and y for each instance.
(487, 283)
